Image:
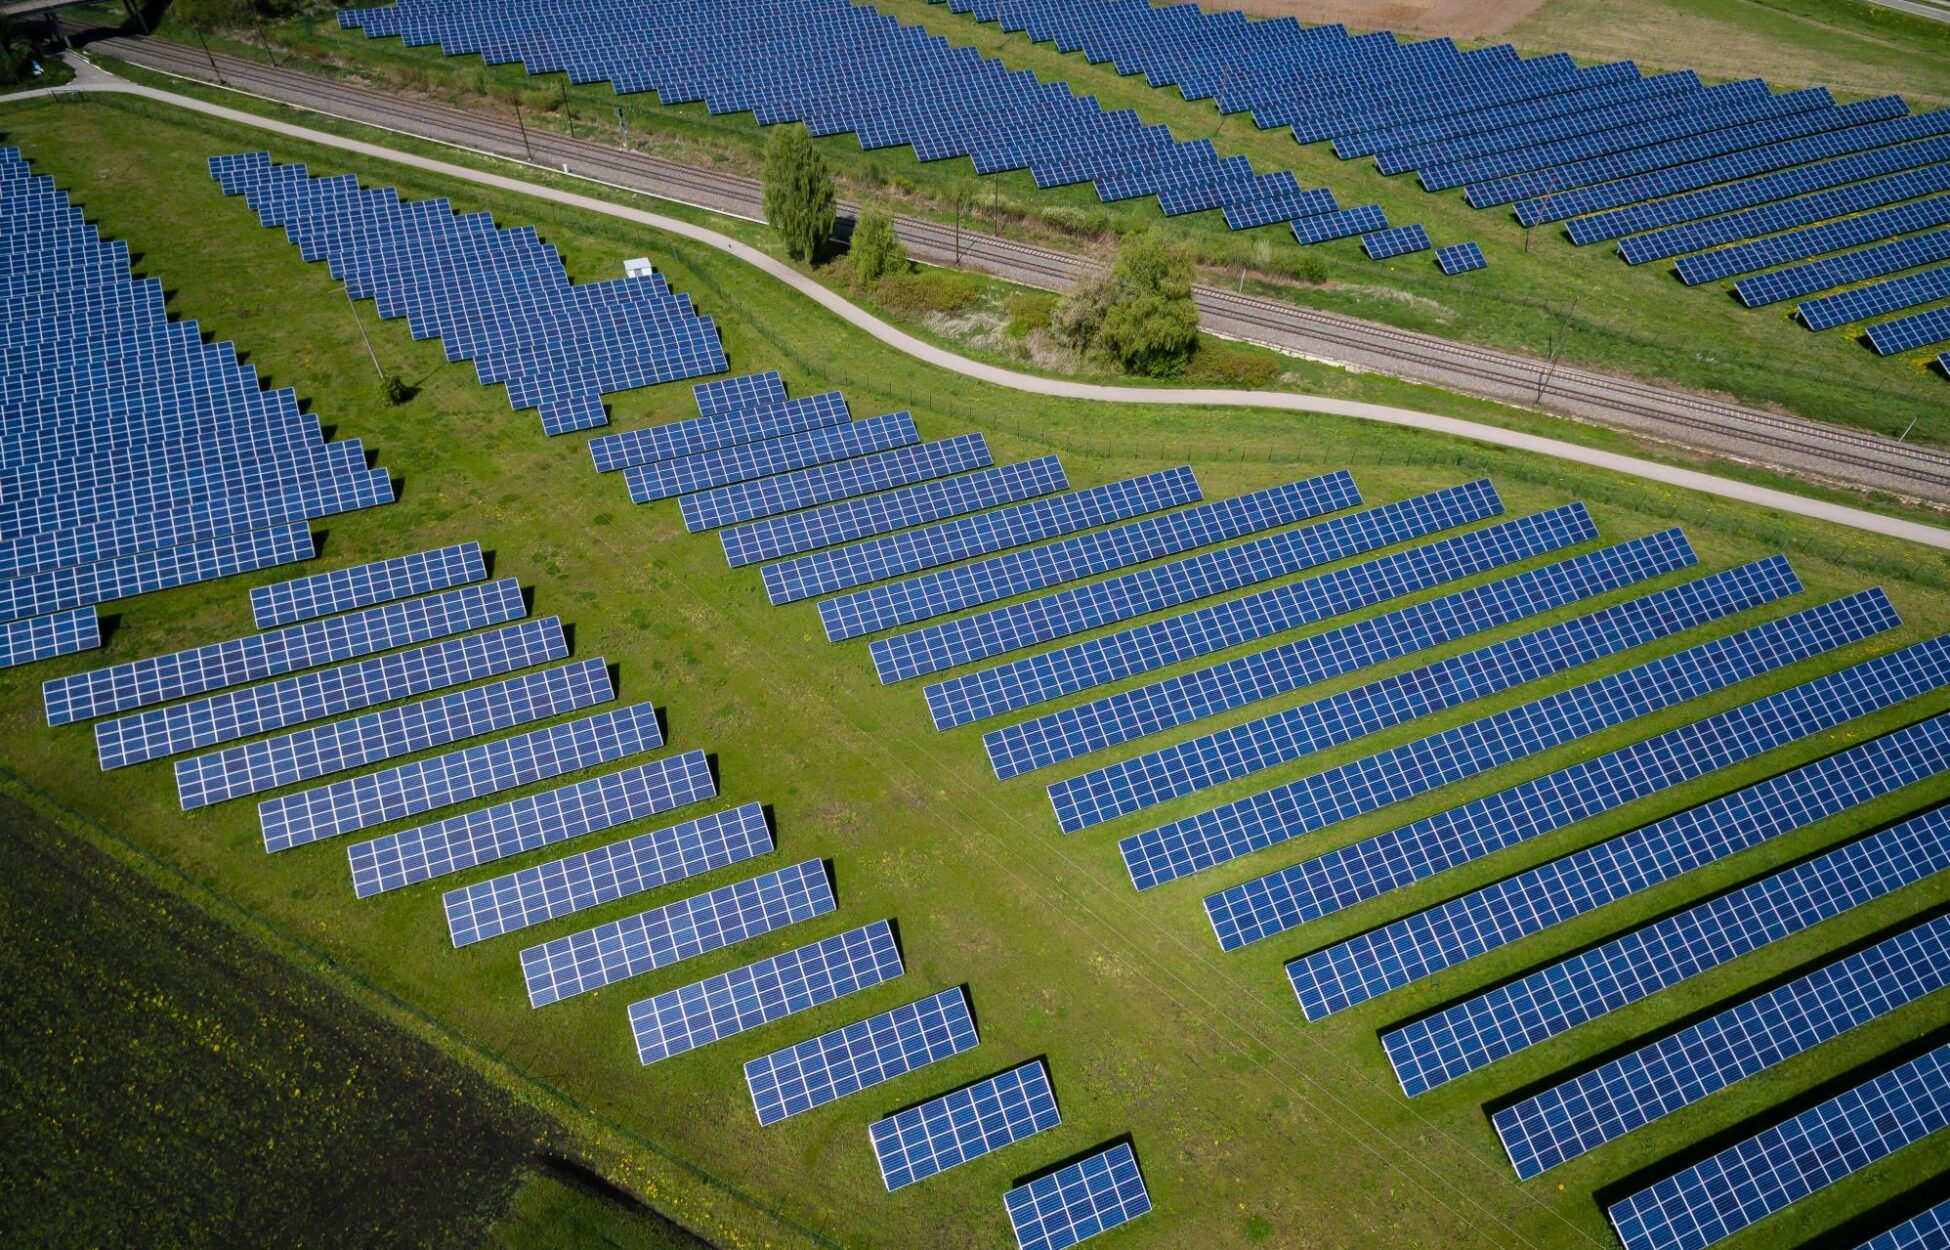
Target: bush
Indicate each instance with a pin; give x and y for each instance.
(1029, 311)
(876, 252)
(1080, 221)
(798, 192)
(1234, 365)
(1078, 316)
(914, 295)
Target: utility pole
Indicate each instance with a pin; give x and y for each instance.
(995, 206)
(958, 199)
(1560, 331)
(524, 131)
(264, 38)
(622, 128)
(213, 60)
(362, 333)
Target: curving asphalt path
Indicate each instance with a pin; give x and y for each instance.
(90, 78)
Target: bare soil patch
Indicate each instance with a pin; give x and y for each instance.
(1460, 19)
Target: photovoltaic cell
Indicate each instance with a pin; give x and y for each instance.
(343, 590)
(964, 1124)
(1438, 1049)
(44, 637)
(821, 484)
(1657, 1079)
(676, 931)
(1073, 1204)
(719, 1007)
(662, 479)
(537, 820)
(409, 789)
(1780, 1165)
(860, 1055)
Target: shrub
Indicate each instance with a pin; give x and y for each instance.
(1029, 311)
(1079, 221)
(1078, 316)
(876, 252)
(798, 192)
(1232, 364)
(912, 295)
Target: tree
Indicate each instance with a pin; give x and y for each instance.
(798, 192)
(876, 252)
(1139, 316)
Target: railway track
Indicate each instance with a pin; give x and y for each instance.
(1695, 422)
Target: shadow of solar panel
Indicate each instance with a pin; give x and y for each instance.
(758, 993)
(1145, 648)
(769, 496)
(45, 637)
(1437, 1049)
(1780, 1165)
(344, 590)
(701, 434)
(575, 883)
(859, 1056)
(84, 585)
(964, 1124)
(1928, 1231)
(1091, 1196)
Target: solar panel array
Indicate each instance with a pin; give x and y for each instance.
(1833, 236)
(1395, 241)
(664, 935)
(1681, 1068)
(1782, 1164)
(964, 1124)
(750, 390)
(1437, 1049)
(498, 297)
(770, 496)
(1918, 330)
(1460, 258)
(860, 1055)
(1875, 299)
(537, 820)
(698, 435)
(136, 456)
(361, 586)
(1693, 235)
(1072, 1204)
(758, 993)
(662, 479)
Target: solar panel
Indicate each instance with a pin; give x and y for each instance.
(272, 763)
(1427, 942)
(1016, 573)
(82, 585)
(1655, 1080)
(758, 993)
(183, 674)
(661, 479)
(1786, 1162)
(1920, 330)
(1928, 1231)
(1396, 241)
(44, 637)
(1173, 701)
(562, 887)
(1831, 236)
(1180, 581)
(1340, 224)
(860, 1055)
(331, 692)
(964, 1124)
(343, 590)
(1766, 218)
(851, 519)
(1093, 1195)
(1460, 258)
(676, 931)
(1437, 1049)
(611, 452)
(1253, 746)
(409, 789)
(1240, 827)
(1140, 649)
(537, 820)
(769, 496)
(751, 390)
(1873, 262)
(982, 534)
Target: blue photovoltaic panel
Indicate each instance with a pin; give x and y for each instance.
(1181, 581)
(331, 692)
(1438, 1049)
(44, 637)
(860, 1055)
(1174, 701)
(853, 519)
(1144, 648)
(1395, 241)
(182, 674)
(343, 590)
(978, 535)
(769, 496)
(1821, 275)
(575, 883)
(536, 820)
(1873, 300)
(732, 1002)
(1300, 807)
(1460, 258)
(1779, 1166)
(1016, 573)
(81, 585)
(964, 1124)
(1073, 1204)
(1832, 236)
(751, 390)
(1253, 746)
(1679, 1069)
(611, 452)
(1928, 1231)
(275, 762)
(1920, 330)
(676, 931)
(661, 479)
(409, 789)
(1340, 224)
(1429, 941)
(1460, 835)
(1805, 210)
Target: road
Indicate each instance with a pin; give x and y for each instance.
(1935, 10)
(90, 78)
(1807, 449)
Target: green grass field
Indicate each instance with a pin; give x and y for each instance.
(1642, 321)
(1252, 1127)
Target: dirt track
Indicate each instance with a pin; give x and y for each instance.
(1463, 19)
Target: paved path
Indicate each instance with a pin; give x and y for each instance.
(90, 78)
(1935, 10)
